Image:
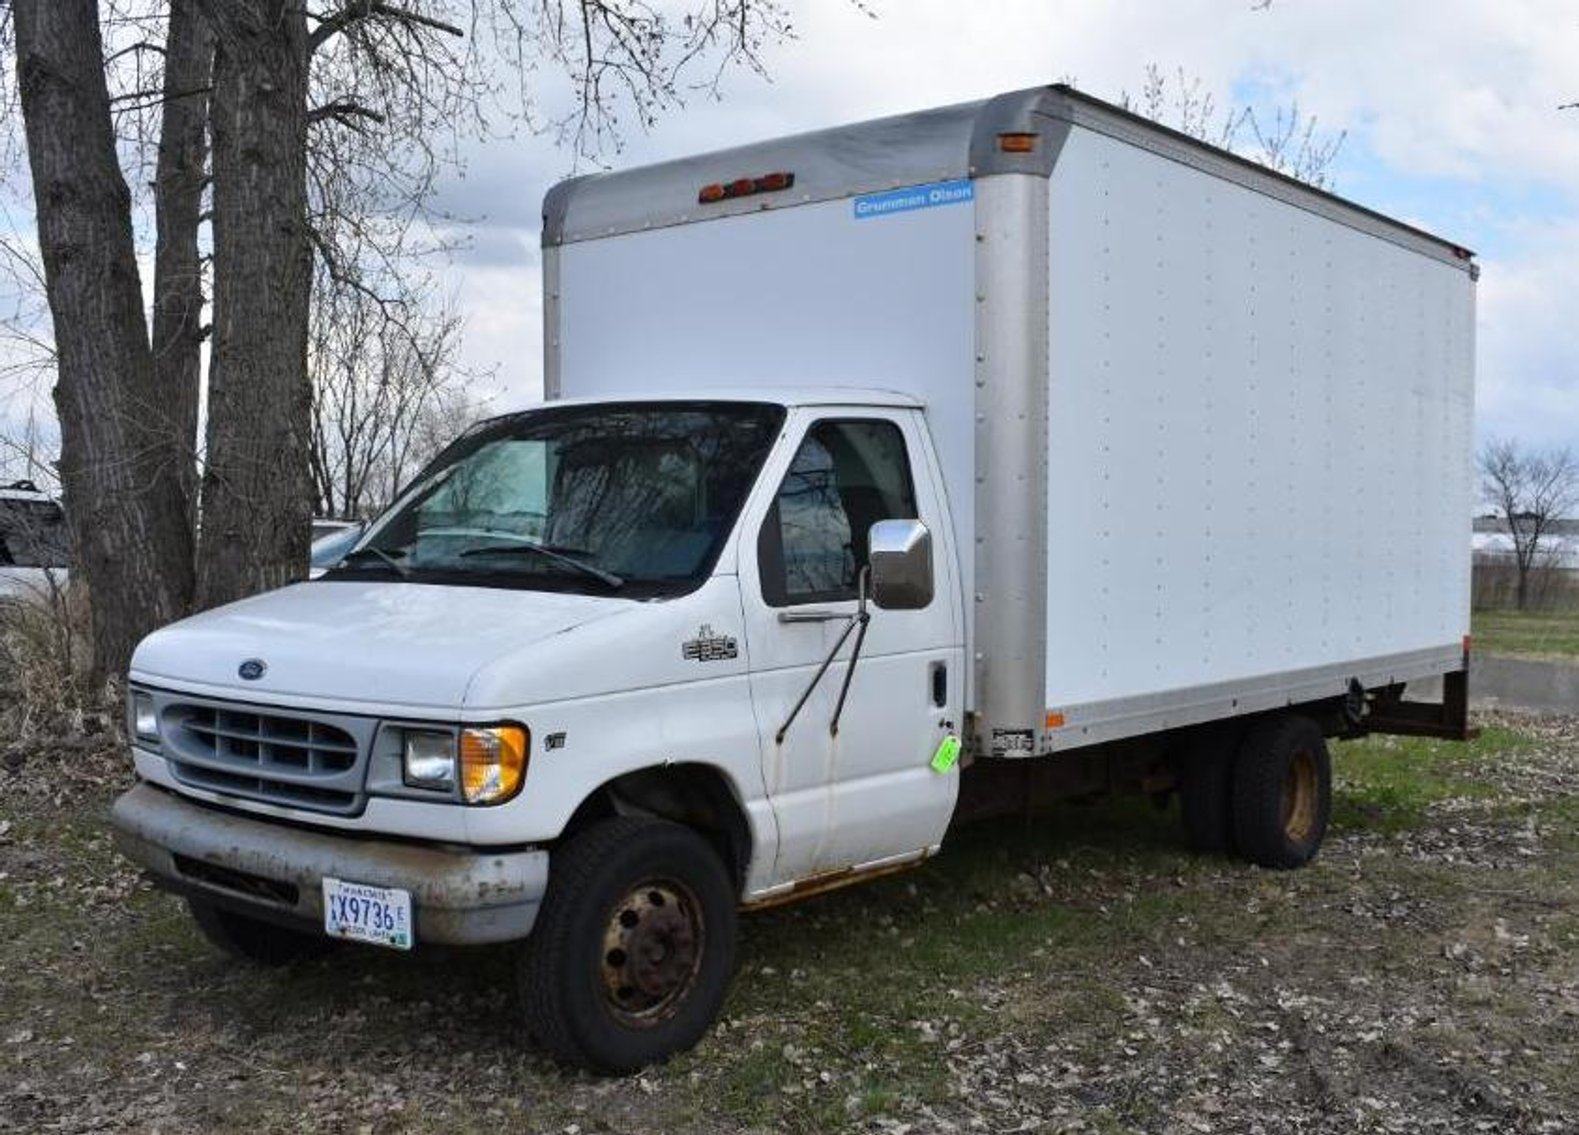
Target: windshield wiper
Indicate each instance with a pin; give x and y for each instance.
(608, 578)
(378, 553)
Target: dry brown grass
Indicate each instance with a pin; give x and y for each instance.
(46, 700)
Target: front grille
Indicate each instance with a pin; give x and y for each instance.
(270, 741)
(293, 760)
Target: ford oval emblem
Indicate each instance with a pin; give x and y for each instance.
(252, 669)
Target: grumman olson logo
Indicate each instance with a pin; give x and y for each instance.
(956, 192)
(709, 646)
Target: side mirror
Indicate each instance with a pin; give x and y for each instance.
(901, 560)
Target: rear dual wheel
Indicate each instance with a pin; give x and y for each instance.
(1268, 798)
(1206, 787)
(1282, 792)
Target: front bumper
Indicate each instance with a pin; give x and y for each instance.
(275, 871)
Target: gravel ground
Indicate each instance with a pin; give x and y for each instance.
(1076, 972)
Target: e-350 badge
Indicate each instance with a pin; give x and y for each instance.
(709, 646)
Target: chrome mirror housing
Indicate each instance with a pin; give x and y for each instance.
(901, 564)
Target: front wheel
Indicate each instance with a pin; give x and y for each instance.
(633, 948)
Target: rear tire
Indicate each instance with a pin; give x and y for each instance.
(1206, 771)
(252, 939)
(1282, 793)
(634, 946)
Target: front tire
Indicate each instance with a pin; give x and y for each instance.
(253, 940)
(634, 946)
(1282, 792)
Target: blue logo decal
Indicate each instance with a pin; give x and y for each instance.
(252, 669)
(956, 192)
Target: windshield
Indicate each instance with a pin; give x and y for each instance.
(633, 499)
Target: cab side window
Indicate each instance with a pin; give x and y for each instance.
(846, 476)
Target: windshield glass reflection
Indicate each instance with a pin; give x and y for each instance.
(632, 499)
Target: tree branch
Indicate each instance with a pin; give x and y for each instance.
(156, 97)
(343, 110)
(356, 10)
(145, 45)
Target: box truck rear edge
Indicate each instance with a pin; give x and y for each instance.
(1009, 450)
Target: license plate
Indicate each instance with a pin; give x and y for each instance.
(380, 916)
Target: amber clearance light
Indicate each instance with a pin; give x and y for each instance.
(744, 187)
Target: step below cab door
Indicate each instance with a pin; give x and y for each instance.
(861, 790)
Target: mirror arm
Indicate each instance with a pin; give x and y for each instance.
(778, 738)
(862, 617)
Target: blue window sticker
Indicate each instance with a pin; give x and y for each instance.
(956, 192)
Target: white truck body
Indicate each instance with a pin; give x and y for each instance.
(1180, 449)
(1208, 431)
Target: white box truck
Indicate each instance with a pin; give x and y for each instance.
(891, 475)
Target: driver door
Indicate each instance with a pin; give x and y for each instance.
(865, 792)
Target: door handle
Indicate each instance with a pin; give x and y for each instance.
(939, 678)
(814, 616)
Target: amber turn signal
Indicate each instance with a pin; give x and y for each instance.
(493, 762)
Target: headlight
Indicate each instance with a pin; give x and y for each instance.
(144, 721)
(429, 759)
(493, 762)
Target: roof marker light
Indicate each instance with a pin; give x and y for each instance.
(1017, 143)
(745, 187)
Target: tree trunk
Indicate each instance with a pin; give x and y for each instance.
(257, 482)
(178, 206)
(120, 488)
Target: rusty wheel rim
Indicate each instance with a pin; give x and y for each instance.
(1299, 797)
(652, 952)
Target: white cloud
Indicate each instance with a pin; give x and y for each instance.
(1529, 376)
(503, 335)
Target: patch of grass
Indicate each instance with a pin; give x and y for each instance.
(874, 984)
(1388, 783)
(1560, 820)
(1530, 634)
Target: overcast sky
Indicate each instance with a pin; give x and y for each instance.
(1450, 108)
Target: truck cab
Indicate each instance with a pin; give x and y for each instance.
(587, 617)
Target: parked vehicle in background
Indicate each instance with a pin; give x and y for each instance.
(1024, 448)
(33, 542)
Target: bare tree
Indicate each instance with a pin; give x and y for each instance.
(376, 94)
(1289, 143)
(123, 498)
(257, 486)
(378, 382)
(180, 179)
(1530, 489)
